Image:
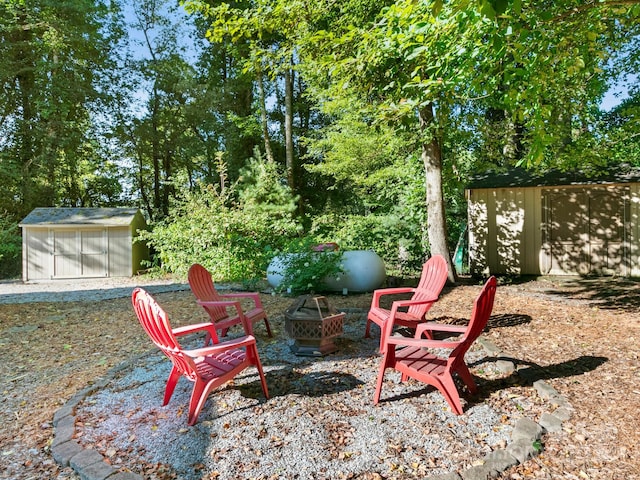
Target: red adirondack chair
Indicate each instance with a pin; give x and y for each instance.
(432, 280)
(411, 357)
(207, 367)
(223, 309)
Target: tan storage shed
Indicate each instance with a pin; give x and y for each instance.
(554, 224)
(63, 243)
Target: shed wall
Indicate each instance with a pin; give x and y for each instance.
(504, 231)
(511, 230)
(140, 251)
(120, 252)
(82, 252)
(634, 229)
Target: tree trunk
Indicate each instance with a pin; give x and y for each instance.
(263, 118)
(432, 159)
(288, 129)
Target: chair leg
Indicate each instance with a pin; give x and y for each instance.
(465, 375)
(266, 324)
(198, 398)
(367, 329)
(172, 381)
(388, 358)
(258, 365)
(450, 392)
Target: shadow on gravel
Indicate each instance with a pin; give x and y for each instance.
(288, 381)
(527, 373)
(495, 321)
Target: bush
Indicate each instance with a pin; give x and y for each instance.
(10, 248)
(399, 242)
(304, 268)
(234, 238)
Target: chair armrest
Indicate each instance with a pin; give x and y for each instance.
(422, 343)
(408, 303)
(225, 346)
(252, 295)
(377, 294)
(246, 324)
(387, 327)
(218, 303)
(197, 327)
(438, 327)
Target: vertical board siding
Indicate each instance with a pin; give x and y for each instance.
(634, 230)
(120, 244)
(37, 255)
(478, 234)
(66, 254)
(555, 230)
(93, 253)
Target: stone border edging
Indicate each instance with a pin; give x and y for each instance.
(66, 451)
(526, 435)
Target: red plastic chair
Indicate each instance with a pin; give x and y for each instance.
(217, 305)
(432, 280)
(207, 367)
(411, 357)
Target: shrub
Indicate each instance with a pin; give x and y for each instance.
(235, 238)
(304, 269)
(397, 240)
(10, 248)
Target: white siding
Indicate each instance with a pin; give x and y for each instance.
(36, 254)
(634, 230)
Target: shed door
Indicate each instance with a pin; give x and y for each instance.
(608, 221)
(79, 253)
(586, 230)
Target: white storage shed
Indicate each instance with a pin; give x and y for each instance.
(555, 224)
(63, 243)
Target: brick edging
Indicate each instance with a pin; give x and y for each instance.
(66, 451)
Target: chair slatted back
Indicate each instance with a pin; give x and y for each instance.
(432, 280)
(482, 307)
(155, 322)
(201, 284)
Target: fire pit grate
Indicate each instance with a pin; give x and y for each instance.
(313, 323)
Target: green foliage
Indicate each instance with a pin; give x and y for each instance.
(10, 248)
(261, 191)
(56, 74)
(304, 269)
(400, 242)
(234, 239)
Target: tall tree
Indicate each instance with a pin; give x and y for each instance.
(430, 62)
(162, 133)
(263, 35)
(56, 65)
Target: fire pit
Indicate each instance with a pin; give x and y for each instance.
(313, 323)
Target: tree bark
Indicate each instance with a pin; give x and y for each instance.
(263, 117)
(288, 128)
(432, 160)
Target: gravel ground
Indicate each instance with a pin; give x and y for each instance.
(318, 424)
(16, 291)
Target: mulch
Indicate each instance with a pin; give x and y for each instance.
(579, 335)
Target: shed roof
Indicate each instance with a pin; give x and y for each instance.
(106, 217)
(519, 177)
